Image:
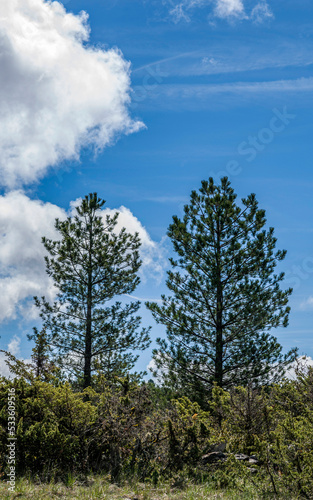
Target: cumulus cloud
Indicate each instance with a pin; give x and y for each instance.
(23, 222)
(4, 369)
(14, 345)
(151, 253)
(14, 348)
(223, 9)
(300, 366)
(22, 269)
(57, 93)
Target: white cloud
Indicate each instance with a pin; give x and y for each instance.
(223, 9)
(301, 365)
(14, 348)
(23, 222)
(4, 369)
(57, 93)
(151, 253)
(159, 372)
(180, 11)
(199, 96)
(261, 12)
(22, 269)
(179, 14)
(14, 345)
(229, 8)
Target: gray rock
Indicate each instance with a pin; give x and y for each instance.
(241, 456)
(214, 456)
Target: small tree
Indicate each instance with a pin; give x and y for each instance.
(41, 367)
(226, 296)
(90, 265)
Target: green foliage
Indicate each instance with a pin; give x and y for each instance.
(276, 424)
(123, 431)
(90, 265)
(225, 297)
(52, 427)
(291, 435)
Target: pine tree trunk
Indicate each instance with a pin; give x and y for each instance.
(219, 314)
(88, 343)
(87, 370)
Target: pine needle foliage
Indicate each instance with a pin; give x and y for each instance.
(226, 295)
(90, 265)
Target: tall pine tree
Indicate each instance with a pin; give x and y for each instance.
(90, 265)
(225, 296)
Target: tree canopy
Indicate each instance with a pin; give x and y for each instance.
(90, 265)
(226, 295)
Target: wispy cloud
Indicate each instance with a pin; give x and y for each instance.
(190, 96)
(222, 9)
(226, 9)
(143, 299)
(261, 12)
(238, 58)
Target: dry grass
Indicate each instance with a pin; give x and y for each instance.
(102, 489)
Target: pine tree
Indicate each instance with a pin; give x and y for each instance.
(41, 367)
(225, 295)
(90, 265)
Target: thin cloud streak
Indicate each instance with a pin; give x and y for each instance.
(166, 59)
(142, 299)
(184, 90)
(217, 60)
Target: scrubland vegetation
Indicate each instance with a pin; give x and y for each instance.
(141, 435)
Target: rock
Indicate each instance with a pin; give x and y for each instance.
(214, 456)
(241, 456)
(253, 461)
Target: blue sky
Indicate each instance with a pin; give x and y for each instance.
(221, 87)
